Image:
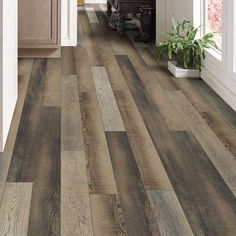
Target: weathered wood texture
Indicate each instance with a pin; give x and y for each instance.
(76, 216)
(108, 218)
(15, 208)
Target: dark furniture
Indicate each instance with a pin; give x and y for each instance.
(123, 7)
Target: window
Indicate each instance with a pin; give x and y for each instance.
(213, 20)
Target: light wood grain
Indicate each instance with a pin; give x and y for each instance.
(15, 207)
(52, 89)
(5, 159)
(71, 124)
(169, 214)
(222, 159)
(76, 216)
(93, 19)
(108, 218)
(68, 61)
(25, 68)
(111, 117)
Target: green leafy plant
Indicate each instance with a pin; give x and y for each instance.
(182, 42)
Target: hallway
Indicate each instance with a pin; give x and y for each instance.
(104, 141)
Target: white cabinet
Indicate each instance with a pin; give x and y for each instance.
(68, 22)
(8, 66)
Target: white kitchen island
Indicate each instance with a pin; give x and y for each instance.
(8, 66)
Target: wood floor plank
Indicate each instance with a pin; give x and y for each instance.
(170, 216)
(166, 108)
(137, 214)
(5, 160)
(222, 129)
(108, 218)
(68, 61)
(45, 205)
(25, 68)
(100, 173)
(199, 187)
(148, 57)
(80, 37)
(111, 117)
(23, 164)
(76, 216)
(52, 90)
(150, 166)
(222, 159)
(101, 176)
(199, 102)
(14, 210)
(87, 30)
(216, 102)
(71, 123)
(91, 15)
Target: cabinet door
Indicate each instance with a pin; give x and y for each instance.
(39, 23)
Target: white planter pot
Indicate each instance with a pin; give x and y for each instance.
(179, 72)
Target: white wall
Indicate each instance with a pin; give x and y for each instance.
(8, 66)
(217, 71)
(69, 22)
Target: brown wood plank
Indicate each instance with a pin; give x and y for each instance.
(216, 102)
(110, 113)
(200, 189)
(76, 216)
(200, 103)
(45, 204)
(68, 61)
(222, 129)
(71, 123)
(168, 111)
(5, 160)
(52, 90)
(148, 57)
(222, 159)
(24, 72)
(14, 210)
(150, 166)
(23, 165)
(134, 202)
(101, 176)
(170, 216)
(108, 218)
(80, 36)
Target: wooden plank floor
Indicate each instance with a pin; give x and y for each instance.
(104, 141)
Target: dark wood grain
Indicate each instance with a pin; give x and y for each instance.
(138, 216)
(202, 196)
(45, 205)
(24, 160)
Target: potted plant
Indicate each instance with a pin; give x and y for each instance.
(188, 49)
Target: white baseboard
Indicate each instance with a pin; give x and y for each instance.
(95, 1)
(219, 88)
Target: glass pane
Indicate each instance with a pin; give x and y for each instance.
(214, 20)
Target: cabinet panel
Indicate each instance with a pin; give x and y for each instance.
(39, 23)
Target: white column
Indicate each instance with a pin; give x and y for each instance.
(8, 66)
(69, 22)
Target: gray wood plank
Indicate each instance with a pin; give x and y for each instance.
(108, 218)
(111, 117)
(15, 208)
(91, 15)
(76, 216)
(169, 213)
(5, 160)
(71, 123)
(222, 159)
